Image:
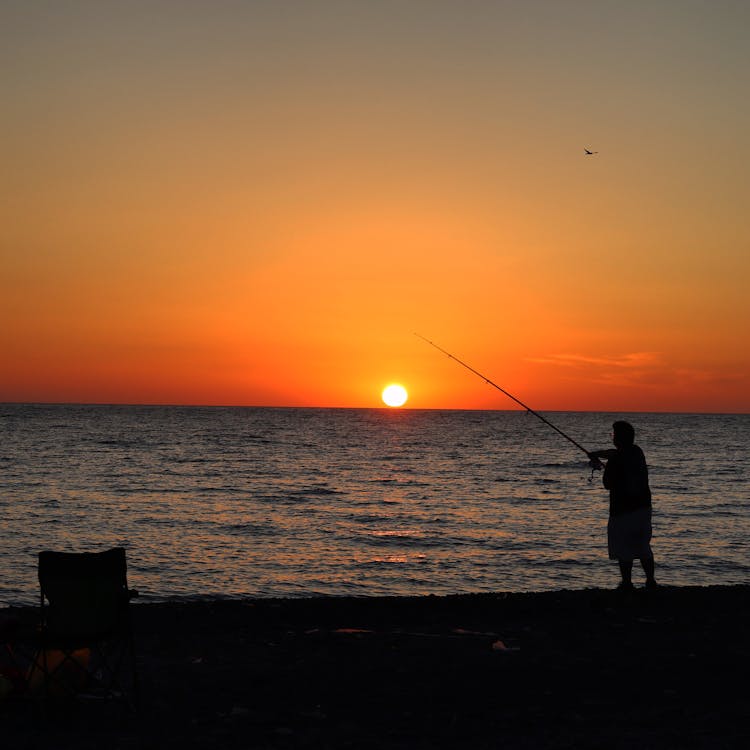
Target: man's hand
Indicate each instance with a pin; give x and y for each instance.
(594, 461)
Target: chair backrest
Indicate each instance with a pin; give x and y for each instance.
(86, 592)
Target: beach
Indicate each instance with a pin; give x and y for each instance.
(578, 668)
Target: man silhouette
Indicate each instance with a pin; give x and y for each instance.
(629, 526)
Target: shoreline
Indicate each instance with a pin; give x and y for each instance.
(569, 668)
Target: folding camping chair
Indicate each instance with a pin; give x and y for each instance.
(86, 639)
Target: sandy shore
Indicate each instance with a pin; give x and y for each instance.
(567, 669)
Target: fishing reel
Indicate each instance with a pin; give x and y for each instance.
(596, 465)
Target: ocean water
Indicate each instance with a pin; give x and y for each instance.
(231, 502)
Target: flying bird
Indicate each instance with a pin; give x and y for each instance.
(590, 153)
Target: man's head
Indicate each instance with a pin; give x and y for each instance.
(623, 434)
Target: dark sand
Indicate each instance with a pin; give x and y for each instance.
(568, 669)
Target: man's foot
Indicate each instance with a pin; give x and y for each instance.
(651, 584)
(624, 586)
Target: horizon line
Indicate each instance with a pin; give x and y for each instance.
(157, 405)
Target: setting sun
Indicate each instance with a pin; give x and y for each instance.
(395, 395)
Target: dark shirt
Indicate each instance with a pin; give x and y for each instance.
(626, 478)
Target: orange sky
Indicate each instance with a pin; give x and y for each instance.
(260, 203)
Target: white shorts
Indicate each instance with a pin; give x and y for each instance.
(629, 535)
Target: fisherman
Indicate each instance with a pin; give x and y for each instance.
(626, 478)
(629, 526)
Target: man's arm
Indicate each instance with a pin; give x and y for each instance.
(605, 453)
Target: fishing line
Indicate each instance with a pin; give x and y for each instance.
(510, 396)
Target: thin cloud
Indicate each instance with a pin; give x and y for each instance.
(631, 360)
(629, 369)
(650, 370)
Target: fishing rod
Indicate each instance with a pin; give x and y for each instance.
(509, 395)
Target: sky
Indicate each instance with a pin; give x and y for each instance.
(260, 203)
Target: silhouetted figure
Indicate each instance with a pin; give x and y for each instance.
(629, 527)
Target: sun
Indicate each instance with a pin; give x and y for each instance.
(394, 395)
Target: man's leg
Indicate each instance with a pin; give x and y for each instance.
(647, 563)
(626, 571)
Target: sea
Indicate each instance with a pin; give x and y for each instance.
(301, 502)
